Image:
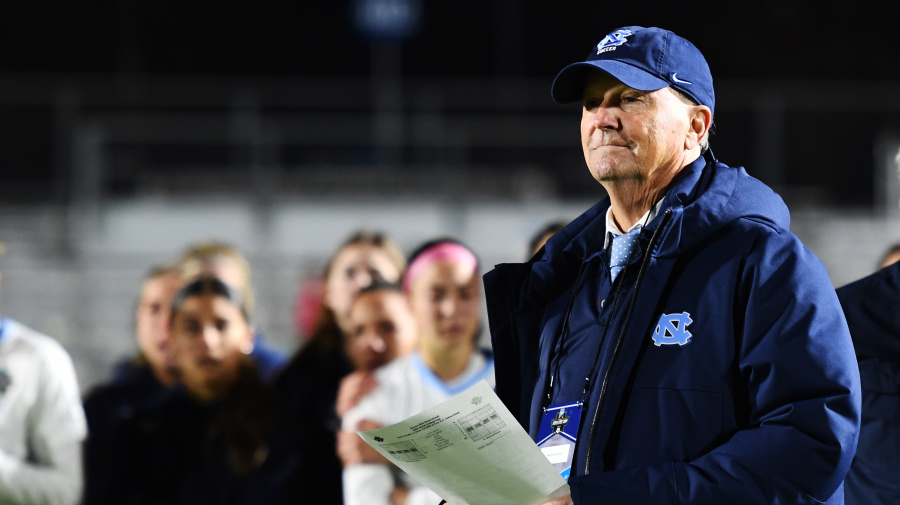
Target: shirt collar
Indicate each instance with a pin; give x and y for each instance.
(612, 229)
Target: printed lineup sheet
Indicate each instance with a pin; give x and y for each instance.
(470, 450)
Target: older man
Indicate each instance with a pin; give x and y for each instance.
(694, 346)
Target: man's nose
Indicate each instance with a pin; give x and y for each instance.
(604, 117)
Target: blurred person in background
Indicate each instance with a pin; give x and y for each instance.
(540, 237)
(872, 308)
(307, 306)
(227, 263)
(443, 285)
(890, 256)
(138, 383)
(310, 382)
(214, 439)
(42, 423)
(382, 328)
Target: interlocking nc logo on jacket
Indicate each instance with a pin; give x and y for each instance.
(672, 329)
(616, 38)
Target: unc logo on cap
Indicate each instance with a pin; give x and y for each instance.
(672, 330)
(616, 38)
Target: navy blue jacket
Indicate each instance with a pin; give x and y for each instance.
(872, 307)
(109, 407)
(760, 406)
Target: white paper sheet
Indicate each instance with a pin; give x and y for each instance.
(471, 451)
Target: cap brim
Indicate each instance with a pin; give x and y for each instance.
(568, 87)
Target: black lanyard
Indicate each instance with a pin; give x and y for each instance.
(564, 332)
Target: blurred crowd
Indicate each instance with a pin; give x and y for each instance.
(207, 411)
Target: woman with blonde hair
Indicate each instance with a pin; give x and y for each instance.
(309, 384)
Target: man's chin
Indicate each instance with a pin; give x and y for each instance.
(613, 174)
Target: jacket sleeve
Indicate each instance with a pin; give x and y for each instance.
(504, 344)
(799, 432)
(56, 434)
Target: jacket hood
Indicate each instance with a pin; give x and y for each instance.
(706, 196)
(709, 195)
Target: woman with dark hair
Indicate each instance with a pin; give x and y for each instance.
(218, 259)
(308, 386)
(443, 285)
(214, 439)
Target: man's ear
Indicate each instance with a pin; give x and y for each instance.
(700, 122)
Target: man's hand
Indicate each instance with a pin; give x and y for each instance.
(353, 387)
(352, 449)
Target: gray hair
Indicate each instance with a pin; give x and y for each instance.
(704, 142)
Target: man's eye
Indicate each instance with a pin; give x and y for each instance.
(591, 104)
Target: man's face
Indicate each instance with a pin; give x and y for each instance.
(628, 134)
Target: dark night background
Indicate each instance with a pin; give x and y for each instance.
(761, 40)
(848, 51)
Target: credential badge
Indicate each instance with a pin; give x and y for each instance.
(616, 38)
(559, 422)
(672, 329)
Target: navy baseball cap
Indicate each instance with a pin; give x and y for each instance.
(646, 59)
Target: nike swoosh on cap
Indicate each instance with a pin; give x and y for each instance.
(679, 81)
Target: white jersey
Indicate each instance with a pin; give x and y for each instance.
(406, 387)
(42, 424)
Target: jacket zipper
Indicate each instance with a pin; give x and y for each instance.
(587, 463)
